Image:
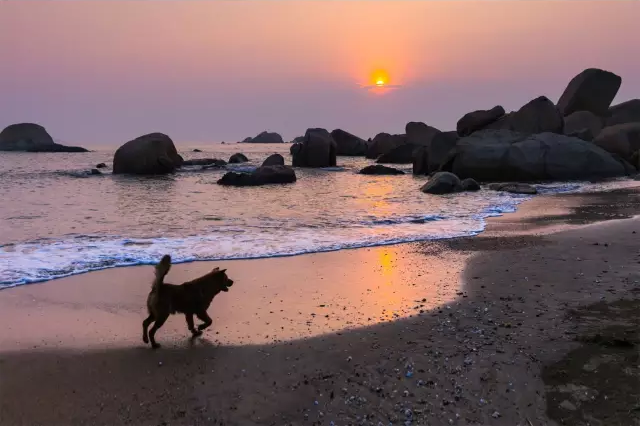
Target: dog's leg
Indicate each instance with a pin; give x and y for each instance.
(206, 319)
(145, 327)
(157, 325)
(192, 328)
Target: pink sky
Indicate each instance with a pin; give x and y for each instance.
(107, 71)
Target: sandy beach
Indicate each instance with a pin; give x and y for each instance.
(533, 322)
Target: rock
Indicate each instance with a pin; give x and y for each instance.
(148, 154)
(383, 143)
(420, 134)
(470, 184)
(238, 158)
(95, 172)
(442, 183)
(298, 139)
(565, 404)
(583, 134)
(318, 150)
(429, 159)
(274, 160)
(537, 116)
(380, 170)
(400, 154)
(101, 165)
(348, 144)
(591, 90)
(623, 139)
(626, 112)
(265, 138)
(515, 188)
(197, 150)
(478, 119)
(576, 123)
(204, 162)
(502, 155)
(261, 176)
(32, 138)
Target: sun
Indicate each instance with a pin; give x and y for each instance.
(379, 78)
(379, 82)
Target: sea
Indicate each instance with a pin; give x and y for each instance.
(57, 220)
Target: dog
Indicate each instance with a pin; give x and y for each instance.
(190, 298)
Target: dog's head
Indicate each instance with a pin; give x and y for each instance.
(222, 282)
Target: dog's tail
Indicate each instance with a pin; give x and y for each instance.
(162, 268)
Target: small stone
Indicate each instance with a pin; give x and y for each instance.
(496, 414)
(568, 405)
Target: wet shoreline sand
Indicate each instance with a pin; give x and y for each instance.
(463, 331)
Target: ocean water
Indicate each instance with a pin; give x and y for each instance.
(56, 221)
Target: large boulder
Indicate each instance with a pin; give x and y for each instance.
(147, 155)
(261, 176)
(318, 150)
(380, 170)
(442, 183)
(501, 155)
(419, 133)
(400, 154)
(429, 159)
(623, 140)
(591, 90)
(576, 123)
(238, 158)
(265, 138)
(478, 119)
(537, 116)
(626, 112)
(32, 138)
(383, 143)
(274, 160)
(348, 144)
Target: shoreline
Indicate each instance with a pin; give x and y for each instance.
(496, 320)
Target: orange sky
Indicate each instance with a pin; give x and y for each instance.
(104, 71)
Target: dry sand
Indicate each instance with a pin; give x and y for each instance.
(524, 324)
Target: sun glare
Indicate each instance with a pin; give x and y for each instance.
(379, 78)
(379, 82)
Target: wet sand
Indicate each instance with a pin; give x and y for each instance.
(533, 322)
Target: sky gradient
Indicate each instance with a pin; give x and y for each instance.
(104, 72)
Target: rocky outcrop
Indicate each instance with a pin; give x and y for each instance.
(500, 155)
(318, 150)
(623, 140)
(477, 120)
(147, 155)
(261, 176)
(442, 183)
(32, 138)
(513, 187)
(470, 184)
(380, 170)
(626, 112)
(348, 144)
(428, 159)
(238, 158)
(274, 160)
(537, 116)
(265, 138)
(383, 143)
(204, 162)
(582, 124)
(398, 155)
(420, 134)
(591, 90)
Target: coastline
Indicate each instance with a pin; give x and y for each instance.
(487, 334)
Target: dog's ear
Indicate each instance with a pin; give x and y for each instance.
(215, 269)
(223, 271)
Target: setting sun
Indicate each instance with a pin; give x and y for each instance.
(379, 82)
(380, 78)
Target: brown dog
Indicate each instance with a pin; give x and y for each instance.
(190, 298)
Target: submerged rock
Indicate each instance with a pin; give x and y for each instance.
(261, 176)
(380, 170)
(274, 160)
(205, 162)
(513, 187)
(442, 183)
(238, 158)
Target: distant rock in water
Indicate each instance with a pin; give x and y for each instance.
(442, 183)
(380, 170)
(101, 165)
(265, 138)
(205, 162)
(32, 138)
(150, 154)
(514, 187)
(348, 144)
(261, 176)
(238, 158)
(318, 150)
(197, 150)
(274, 160)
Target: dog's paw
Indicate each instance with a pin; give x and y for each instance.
(145, 339)
(155, 346)
(196, 333)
